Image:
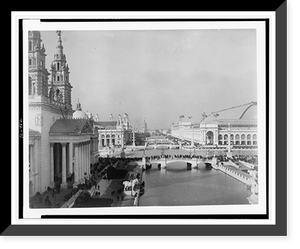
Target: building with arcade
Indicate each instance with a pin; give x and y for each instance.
(238, 132)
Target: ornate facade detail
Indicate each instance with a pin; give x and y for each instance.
(39, 120)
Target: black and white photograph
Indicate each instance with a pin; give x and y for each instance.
(146, 121)
(143, 118)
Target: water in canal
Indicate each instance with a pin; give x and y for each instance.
(176, 186)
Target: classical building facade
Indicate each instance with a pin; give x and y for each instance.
(59, 144)
(237, 132)
(114, 133)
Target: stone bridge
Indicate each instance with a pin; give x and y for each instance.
(163, 162)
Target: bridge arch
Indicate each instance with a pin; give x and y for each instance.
(165, 161)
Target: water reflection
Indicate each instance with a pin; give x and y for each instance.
(176, 185)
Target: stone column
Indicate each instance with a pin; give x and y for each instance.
(82, 161)
(84, 158)
(37, 166)
(32, 171)
(57, 159)
(51, 165)
(100, 141)
(89, 157)
(70, 158)
(215, 137)
(64, 166)
(79, 162)
(76, 166)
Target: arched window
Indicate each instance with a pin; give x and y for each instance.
(243, 138)
(254, 139)
(225, 139)
(248, 139)
(57, 66)
(220, 137)
(237, 139)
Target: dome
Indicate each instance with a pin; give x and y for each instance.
(80, 114)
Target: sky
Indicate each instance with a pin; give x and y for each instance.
(158, 75)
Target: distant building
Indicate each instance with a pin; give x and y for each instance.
(114, 133)
(240, 133)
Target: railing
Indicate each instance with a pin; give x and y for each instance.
(71, 201)
(234, 174)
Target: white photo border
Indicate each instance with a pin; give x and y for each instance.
(35, 24)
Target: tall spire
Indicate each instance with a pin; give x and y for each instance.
(60, 75)
(59, 46)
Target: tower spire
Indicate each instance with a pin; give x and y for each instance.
(59, 46)
(60, 76)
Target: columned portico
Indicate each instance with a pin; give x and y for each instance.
(70, 151)
(62, 159)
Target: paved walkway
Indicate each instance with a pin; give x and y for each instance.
(107, 188)
(56, 202)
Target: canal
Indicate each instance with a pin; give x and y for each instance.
(177, 186)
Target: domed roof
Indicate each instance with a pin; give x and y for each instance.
(79, 113)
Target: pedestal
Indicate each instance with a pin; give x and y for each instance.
(64, 185)
(229, 154)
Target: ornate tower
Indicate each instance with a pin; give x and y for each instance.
(144, 127)
(59, 87)
(38, 74)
